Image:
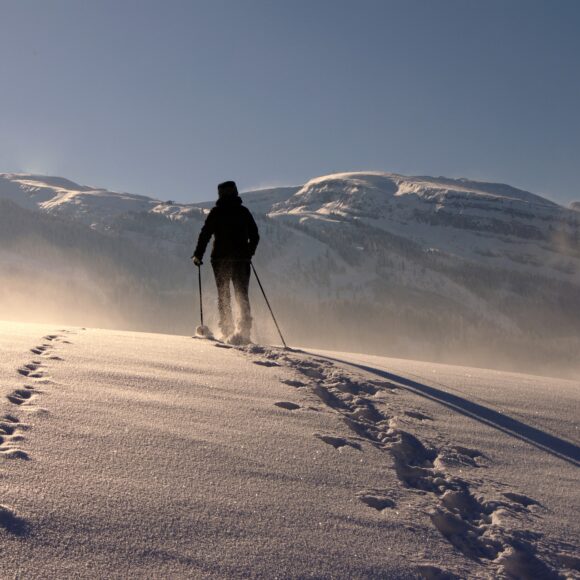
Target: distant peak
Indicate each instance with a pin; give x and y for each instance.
(371, 193)
(46, 180)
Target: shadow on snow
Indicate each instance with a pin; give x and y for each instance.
(561, 448)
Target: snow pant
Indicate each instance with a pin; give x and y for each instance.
(238, 273)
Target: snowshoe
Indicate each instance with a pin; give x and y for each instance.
(239, 339)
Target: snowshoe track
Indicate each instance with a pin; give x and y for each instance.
(486, 530)
(25, 397)
(12, 429)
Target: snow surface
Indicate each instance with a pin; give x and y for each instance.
(143, 455)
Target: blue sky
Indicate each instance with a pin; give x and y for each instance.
(168, 98)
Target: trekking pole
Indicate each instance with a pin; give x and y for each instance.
(200, 295)
(269, 307)
(201, 330)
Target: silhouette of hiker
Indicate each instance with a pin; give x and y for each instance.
(236, 238)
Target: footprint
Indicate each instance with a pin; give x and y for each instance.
(11, 428)
(521, 561)
(25, 372)
(19, 396)
(10, 419)
(14, 454)
(455, 528)
(295, 384)
(13, 523)
(473, 453)
(9, 434)
(457, 456)
(41, 350)
(31, 371)
(417, 415)
(378, 501)
(338, 442)
(428, 572)
(7, 428)
(287, 405)
(329, 398)
(521, 499)
(10, 425)
(345, 385)
(311, 373)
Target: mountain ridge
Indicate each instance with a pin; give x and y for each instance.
(437, 262)
(49, 181)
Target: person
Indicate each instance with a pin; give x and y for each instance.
(236, 238)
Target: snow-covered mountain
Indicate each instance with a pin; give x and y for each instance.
(430, 264)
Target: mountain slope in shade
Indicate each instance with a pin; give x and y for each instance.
(145, 455)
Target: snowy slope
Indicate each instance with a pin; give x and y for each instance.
(141, 455)
(377, 194)
(68, 199)
(491, 223)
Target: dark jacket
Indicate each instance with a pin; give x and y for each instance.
(234, 229)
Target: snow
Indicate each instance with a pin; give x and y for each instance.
(147, 455)
(369, 192)
(63, 197)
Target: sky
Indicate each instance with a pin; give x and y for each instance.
(168, 98)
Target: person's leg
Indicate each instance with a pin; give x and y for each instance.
(223, 273)
(241, 280)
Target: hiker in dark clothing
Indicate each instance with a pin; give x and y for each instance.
(235, 241)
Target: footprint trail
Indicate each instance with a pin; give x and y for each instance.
(486, 529)
(12, 428)
(35, 372)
